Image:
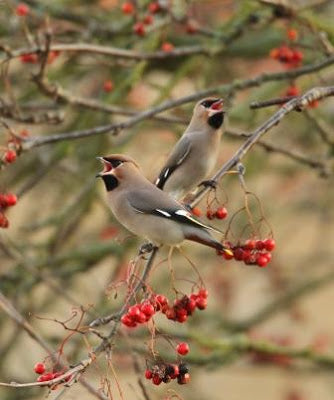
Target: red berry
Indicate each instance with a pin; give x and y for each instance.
(182, 317)
(314, 104)
(147, 309)
(269, 244)
(108, 86)
(191, 305)
(238, 254)
(182, 348)
(4, 223)
(45, 377)
(176, 371)
(261, 261)
(183, 379)
(10, 156)
(292, 91)
(274, 53)
(259, 245)
(267, 255)
(128, 321)
(139, 29)
(292, 34)
(250, 244)
(29, 58)
(39, 368)
(285, 54)
(201, 303)
(210, 214)
(203, 293)
(148, 374)
(3, 201)
(10, 199)
(197, 212)
(167, 47)
(227, 256)
(128, 7)
(156, 379)
(297, 56)
(22, 10)
(161, 300)
(142, 318)
(170, 313)
(154, 7)
(248, 257)
(148, 19)
(221, 213)
(134, 311)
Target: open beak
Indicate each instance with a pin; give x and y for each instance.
(107, 167)
(217, 105)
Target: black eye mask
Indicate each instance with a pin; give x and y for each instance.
(110, 181)
(114, 163)
(208, 103)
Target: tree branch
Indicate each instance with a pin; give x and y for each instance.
(225, 88)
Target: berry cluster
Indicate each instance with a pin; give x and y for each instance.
(153, 8)
(220, 213)
(253, 252)
(6, 200)
(13, 148)
(184, 307)
(292, 58)
(138, 314)
(40, 369)
(165, 373)
(287, 54)
(179, 311)
(33, 58)
(139, 29)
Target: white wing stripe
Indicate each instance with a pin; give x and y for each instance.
(165, 213)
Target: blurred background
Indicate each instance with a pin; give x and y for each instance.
(69, 66)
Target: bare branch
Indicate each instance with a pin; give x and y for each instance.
(225, 88)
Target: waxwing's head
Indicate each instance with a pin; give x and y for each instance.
(209, 112)
(117, 169)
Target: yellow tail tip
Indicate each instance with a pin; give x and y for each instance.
(228, 252)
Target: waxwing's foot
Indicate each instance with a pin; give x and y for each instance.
(209, 183)
(146, 248)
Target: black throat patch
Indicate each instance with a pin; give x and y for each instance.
(110, 182)
(216, 120)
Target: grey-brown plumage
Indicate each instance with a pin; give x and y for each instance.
(195, 154)
(147, 211)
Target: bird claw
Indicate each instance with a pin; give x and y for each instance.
(241, 169)
(209, 183)
(187, 206)
(146, 248)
